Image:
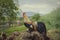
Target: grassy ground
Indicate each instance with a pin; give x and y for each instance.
(12, 29)
(52, 33)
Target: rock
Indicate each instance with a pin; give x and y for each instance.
(16, 33)
(11, 37)
(33, 36)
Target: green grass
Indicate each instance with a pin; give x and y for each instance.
(12, 29)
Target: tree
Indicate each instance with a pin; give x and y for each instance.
(7, 10)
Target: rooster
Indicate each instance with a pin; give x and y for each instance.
(34, 26)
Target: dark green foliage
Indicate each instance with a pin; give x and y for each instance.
(7, 10)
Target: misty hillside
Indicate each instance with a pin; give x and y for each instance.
(52, 19)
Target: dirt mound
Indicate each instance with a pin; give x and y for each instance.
(33, 36)
(54, 34)
(25, 36)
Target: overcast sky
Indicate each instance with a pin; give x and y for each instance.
(39, 6)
